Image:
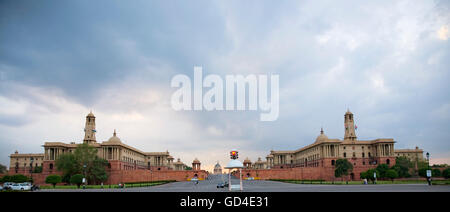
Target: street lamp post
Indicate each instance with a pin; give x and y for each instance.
(428, 170)
(84, 170)
(31, 169)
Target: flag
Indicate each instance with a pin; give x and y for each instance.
(356, 127)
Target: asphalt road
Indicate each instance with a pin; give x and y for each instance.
(210, 185)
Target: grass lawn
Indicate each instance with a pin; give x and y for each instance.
(127, 185)
(435, 182)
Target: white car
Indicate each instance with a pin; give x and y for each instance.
(21, 187)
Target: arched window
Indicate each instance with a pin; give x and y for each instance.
(345, 155)
(51, 166)
(388, 161)
(332, 162)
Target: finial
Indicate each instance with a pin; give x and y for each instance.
(321, 130)
(114, 134)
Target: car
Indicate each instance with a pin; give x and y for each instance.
(21, 187)
(7, 185)
(1, 188)
(222, 185)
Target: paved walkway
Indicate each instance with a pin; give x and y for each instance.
(210, 185)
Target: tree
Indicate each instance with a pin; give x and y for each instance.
(402, 166)
(37, 169)
(53, 179)
(423, 172)
(77, 179)
(19, 178)
(2, 169)
(342, 168)
(382, 169)
(84, 155)
(187, 168)
(5, 179)
(446, 173)
(391, 174)
(363, 175)
(436, 173)
(370, 174)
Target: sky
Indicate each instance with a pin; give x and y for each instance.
(386, 61)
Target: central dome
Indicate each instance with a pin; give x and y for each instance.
(321, 137)
(114, 138)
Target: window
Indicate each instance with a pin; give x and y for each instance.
(388, 161)
(354, 154)
(332, 162)
(345, 155)
(363, 155)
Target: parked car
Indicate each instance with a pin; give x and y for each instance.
(7, 185)
(21, 187)
(1, 188)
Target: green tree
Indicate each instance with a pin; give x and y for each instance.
(436, 173)
(391, 174)
(19, 178)
(37, 169)
(5, 179)
(446, 173)
(84, 155)
(363, 175)
(342, 168)
(402, 166)
(382, 169)
(2, 169)
(77, 179)
(187, 168)
(53, 179)
(370, 174)
(423, 172)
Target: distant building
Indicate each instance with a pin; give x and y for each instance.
(217, 169)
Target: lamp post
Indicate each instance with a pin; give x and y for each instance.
(428, 170)
(84, 179)
(31, 169)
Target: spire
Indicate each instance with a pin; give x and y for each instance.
(114, 134)
(321, 130)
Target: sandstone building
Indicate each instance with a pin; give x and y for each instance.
(120, 156)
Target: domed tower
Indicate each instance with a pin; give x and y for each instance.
(196, 164)
(247, 163)
(89, 129)
(349, 126)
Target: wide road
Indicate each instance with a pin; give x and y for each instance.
(210, 185)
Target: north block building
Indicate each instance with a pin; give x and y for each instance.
(119, 155)
(318, 159)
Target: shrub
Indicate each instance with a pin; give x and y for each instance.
(53, 179)
(391, 174)
(19, 178)
(77, 179)
(446, 173)
(436, 173)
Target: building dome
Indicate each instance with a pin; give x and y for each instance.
(247, 160)
(196, 161)
(114, 138)
(90, 114)
(322, 137)
(217, 166)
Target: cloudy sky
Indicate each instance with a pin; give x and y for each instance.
(387, 61)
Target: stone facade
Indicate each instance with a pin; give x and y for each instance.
(317, 160)
(121, 158)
